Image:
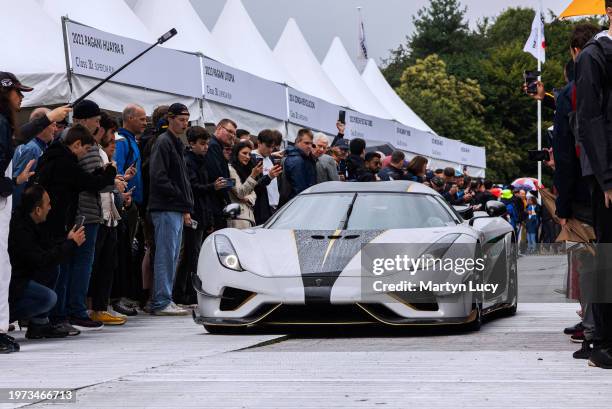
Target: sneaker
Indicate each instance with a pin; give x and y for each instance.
(147, 308)
(8, 344)
(105, 318)
(123, 309)
(86, 324)
(129, 303)
(115, 313)
(601, 358)
(69, 329)
(584, 352)
(572, 330)
(45, 331)
(171, 309)
(578, 337)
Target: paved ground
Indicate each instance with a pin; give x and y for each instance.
(522, 362)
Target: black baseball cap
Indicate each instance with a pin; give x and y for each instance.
(437, 181)
(8, 80)
(342, 144)
(178, 109)
(86, 109)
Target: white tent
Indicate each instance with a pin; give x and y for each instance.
(341, 70)
(401, 112)
(113, 16)
(238, 36)
(37, 60)
(294, 53)
(193, 36)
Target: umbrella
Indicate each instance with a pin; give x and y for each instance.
(584, 8)
(531, 183)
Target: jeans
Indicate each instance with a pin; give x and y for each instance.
(34, 304)
(73, 279)
(531, 241)
(168, 232)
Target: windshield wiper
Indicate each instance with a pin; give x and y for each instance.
(344, 223)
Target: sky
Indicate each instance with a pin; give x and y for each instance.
(387, 22)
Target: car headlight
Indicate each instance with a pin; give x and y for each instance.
(438, 249)
(226, 253)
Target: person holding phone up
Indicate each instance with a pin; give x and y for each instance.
(245, 172)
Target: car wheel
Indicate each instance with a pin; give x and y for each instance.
(476, 324)
(511, 310)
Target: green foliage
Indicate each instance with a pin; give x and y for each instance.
(453, 106)
(466, 84)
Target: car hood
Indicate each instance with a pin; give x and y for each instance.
(289, 253)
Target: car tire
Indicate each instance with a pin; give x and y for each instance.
(476, 324)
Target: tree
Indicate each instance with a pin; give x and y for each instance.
(454, 108)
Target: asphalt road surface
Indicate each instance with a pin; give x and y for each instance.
(522, 362)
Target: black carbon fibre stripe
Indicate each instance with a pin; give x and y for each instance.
(323, 255)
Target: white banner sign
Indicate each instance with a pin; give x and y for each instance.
(95, 53)
(437, 147)
(367, 127)
(312, 112)
(240, 89)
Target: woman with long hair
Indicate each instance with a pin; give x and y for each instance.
(10, 102)
(417, 169)
(245, 172)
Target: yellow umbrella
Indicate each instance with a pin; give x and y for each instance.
(584, 8)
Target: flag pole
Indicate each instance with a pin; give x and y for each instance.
(540, 102)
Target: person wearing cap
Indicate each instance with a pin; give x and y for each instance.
(171, 203)
(339, 152)
(33, 127)
(11, 95)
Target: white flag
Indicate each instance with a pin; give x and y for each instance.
(363, 45)
(536, 45)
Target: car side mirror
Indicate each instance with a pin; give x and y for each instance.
(232, 211)
(466, 212)
(495, 208)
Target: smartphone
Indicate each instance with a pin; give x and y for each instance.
(276, 161)
(342, 117)
(531, 80)
(78, 223)
(131, 190)
(230, 182)
(539, 156)
(194, 224)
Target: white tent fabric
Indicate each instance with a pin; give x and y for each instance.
(37, 60)
(341, 70)
(113, 16)
(43, 66)
(235, 33)
(401, 112)
(193, 36)
(294, 53)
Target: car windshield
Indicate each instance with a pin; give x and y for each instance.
(365, 211)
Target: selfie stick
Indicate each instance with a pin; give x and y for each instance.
(159, 41)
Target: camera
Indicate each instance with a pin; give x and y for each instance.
(539, 156)
(531, 80)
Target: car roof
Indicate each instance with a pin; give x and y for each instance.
(397, 186)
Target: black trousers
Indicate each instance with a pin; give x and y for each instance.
(105, 263)
(183, 291)
(602, 221)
